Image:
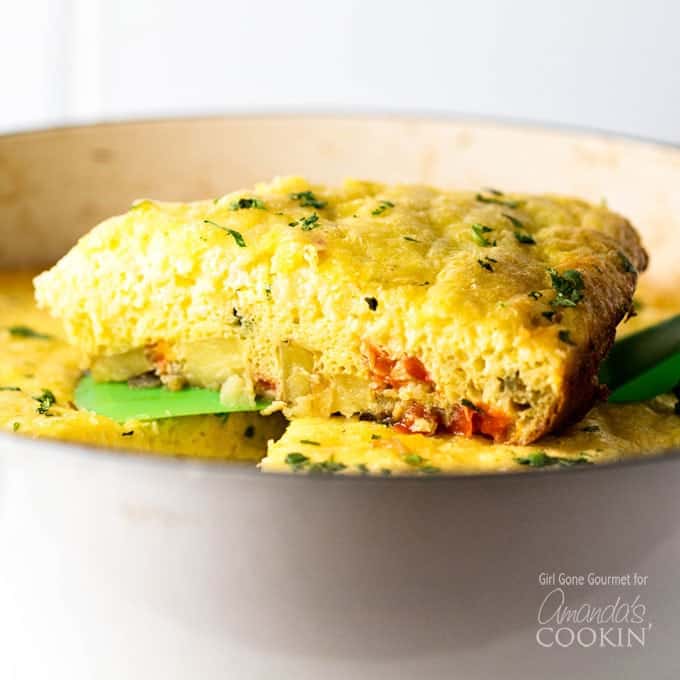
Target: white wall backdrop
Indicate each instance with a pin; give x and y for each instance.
(607, 64)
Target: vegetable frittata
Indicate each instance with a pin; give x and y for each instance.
(433, 311)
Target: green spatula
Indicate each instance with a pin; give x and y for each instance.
(644, 364)
(120, 402)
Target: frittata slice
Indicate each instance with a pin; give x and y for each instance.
(431, 310)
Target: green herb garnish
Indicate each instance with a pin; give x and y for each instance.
(307, 198)
(376, 436)
(235, 234)
(411, 239)
(497, 201)
(478, 231)
(362, 468)
(327, 466)
(535, 294)
(486, 263)
(246, 204)
(518, 224)
(296, 460)
(45, 401)
(129, 433)
(413, 459)
(565, 336)
(627, 265)
(527, 239)
(372, 303)
(384, 205)
(306, 223)
(15, 426)
(310, 442)
(430, 470)
(568, 287)
(26, 332)
(542, 459)
(9, 388)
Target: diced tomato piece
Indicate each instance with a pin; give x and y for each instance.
(418, 419)
(386, 372)
(414, 367)
(468, 421)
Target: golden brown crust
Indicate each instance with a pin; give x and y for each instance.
(609, 300)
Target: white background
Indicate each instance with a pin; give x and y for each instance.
(607, 64)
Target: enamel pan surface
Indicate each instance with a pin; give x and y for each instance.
(121, 566)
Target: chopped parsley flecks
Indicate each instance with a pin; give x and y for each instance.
(296, 460)
(247, 204)
(590, 428)
(27, 332)
(238, 319)
(417, 461)
(382, 206)
(471, 405)
(372, 303)
(375, 436)
(45, 401)
(492, 191)
(238, 238)
(411, 239)
(568, 287)
(478, 231)
(498, 201)
(539, 459)
(627, 265)
(487, 263)
(249, 432)
(385, 472)
(535, 294)
(129, 433)
(413, 459)
(518, 224)
(326, 466)
(309, 442)
(526, 239)
(362, 468)
(9, 388)
(307, 198)
(15, 426)
(306, 223)
(565, 337)
(430, 470)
